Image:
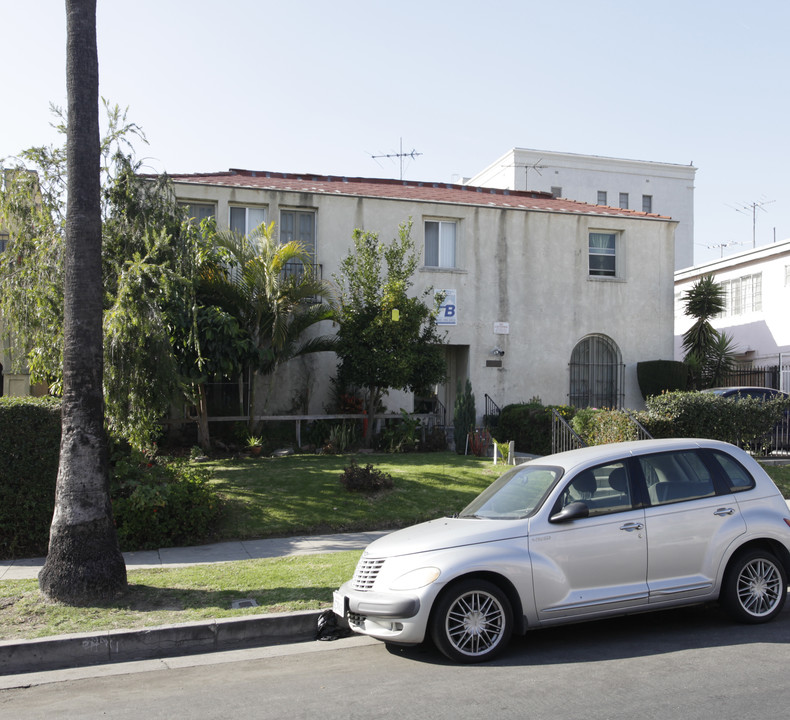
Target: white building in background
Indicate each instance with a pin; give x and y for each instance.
(649, 187)
(757, 290)
(545, 297)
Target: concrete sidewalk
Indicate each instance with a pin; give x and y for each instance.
(112, 646)
(218, 552)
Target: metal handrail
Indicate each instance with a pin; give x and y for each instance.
(563, 436)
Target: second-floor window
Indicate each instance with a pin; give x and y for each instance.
(603, 254)
(743, 295)
(440, 238)
(298, 225)
(243, 220)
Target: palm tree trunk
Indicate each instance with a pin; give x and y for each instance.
(84, 562)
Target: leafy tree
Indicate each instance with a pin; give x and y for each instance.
(84, 562)
(271, 289)
(386, 339)
(709, 353)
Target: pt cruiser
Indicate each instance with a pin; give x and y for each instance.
(580, 535)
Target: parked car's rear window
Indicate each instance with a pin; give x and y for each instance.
(738, 477)
(675, 476)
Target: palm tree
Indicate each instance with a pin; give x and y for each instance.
(709, 353)
(271, 289)
(84, 562)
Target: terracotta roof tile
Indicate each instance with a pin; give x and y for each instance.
(402, 190)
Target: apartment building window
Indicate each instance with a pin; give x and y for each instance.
(647, 203)
(603, 254)
(199, 211)
(624, 201)
(243, 220)
(743, 295)
(299, 226)
(601, 197)
(3, 241)
(440, 238)
(556, 191)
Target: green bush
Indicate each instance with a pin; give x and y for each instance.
(658, 376)
(464, 415)
(528, 425)
(599, 427)
(696, 414)
(161, 502)
(365, 479)
(29, 450)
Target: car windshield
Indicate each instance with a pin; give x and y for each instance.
(516, 494)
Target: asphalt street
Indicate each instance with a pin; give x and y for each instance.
(692, 664)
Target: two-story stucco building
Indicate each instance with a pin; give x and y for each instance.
(545, 297)
(653, 187)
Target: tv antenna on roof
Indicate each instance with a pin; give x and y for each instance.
(536, 166)
(721, 246)
(751, 208)
(400, 155)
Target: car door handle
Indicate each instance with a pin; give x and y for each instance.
(721, 512)
(631, 526)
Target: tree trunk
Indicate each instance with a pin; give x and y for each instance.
(204, 439)
(84, 562)
(373, 401)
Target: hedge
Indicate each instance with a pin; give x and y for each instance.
(29, 449)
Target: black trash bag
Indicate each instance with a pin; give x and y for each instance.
(328, 627)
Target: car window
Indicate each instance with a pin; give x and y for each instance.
(738, 477)
(676, 476)
(516, 494)
(604, 489)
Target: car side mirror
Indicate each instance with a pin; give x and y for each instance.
(572, 511)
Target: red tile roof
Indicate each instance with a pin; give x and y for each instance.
(402, 190)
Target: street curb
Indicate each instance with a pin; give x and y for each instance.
(112, 646)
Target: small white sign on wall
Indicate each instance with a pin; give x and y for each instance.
(501, 328)
(448, 310)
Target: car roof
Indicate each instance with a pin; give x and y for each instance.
(597, 454)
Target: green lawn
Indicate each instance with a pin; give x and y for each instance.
(302, 493)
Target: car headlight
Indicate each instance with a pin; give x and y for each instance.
(415, 579)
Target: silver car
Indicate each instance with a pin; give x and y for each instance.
(581, 535)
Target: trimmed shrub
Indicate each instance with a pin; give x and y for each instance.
(741, 421)
(29, 451)
(464, 415)
(599, 427)
(161, 502)
(528, 425)
(365, 479)
(658, 376)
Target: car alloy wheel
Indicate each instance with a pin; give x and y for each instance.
(472, 621)
(755, 588)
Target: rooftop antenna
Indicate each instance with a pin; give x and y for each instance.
(400, 155)
(752, 208)
(721, 246)
(536, 166)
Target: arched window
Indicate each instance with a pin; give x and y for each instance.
(596, 371)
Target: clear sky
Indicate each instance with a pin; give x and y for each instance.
(322, 85)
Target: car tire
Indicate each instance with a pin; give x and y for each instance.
(472, 621)
(755, 587)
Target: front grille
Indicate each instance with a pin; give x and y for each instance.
(366, 573)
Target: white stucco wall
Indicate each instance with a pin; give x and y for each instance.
(526, 268)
